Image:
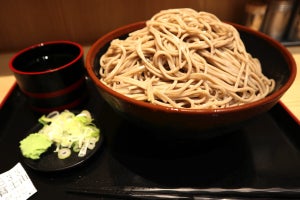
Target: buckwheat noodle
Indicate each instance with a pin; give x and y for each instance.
(185, 59)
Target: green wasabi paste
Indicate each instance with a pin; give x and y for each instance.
(34, 145)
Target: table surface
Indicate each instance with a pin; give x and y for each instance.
(291, 98)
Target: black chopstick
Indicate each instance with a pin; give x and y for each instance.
(222, 191)
(116, 193)
(189, 193)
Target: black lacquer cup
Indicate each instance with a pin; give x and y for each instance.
(51, 75)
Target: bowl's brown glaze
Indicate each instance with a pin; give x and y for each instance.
(277, 63)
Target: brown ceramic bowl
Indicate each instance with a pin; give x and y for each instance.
(277, 63)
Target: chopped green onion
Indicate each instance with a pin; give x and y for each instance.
(63, 153)
(92, 144)
(69, 131)
(76, 147)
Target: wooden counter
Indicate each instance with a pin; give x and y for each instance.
(291, 98)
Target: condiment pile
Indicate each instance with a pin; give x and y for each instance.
(66, 130)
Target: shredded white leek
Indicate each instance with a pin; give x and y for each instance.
(67, 130)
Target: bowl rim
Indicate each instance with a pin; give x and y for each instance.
(35, 46)
(92, 52)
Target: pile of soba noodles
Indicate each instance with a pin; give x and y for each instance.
(185, 59)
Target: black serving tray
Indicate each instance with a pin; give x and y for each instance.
(264, 153)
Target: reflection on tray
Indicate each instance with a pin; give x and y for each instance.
(181, 162)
